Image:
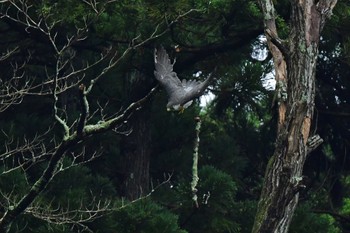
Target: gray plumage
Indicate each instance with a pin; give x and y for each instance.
(180, 93)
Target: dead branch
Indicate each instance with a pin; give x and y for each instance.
(78, 216)
(62, 76)
(60, 215)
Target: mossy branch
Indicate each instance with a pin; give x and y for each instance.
(68, 142)
(195, 177)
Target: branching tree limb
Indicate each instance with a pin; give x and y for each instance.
(64, 74)
(67, 143)
(295, 66)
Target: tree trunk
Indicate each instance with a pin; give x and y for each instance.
(136, 147)
(136, 158)
(295, 65)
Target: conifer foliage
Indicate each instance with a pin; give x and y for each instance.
(88, 146)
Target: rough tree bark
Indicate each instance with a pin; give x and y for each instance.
(136, 150)
(136, 154)
(295, 65)
(136, 146)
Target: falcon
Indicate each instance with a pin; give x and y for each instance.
(180, 93)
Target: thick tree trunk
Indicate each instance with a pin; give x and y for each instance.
(295, 64)
(136, 147)
(136, 157)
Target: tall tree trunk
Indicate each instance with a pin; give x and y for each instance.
(295, 65)
(136, 156)
(136, 147)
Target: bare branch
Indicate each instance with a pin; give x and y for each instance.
(66, 72)
(22, 155)
(60, 215)
(77, 159)
(165, 181)
(134, 44)
(84, 110)
(57, 117)
(8, 53)
(120, 119)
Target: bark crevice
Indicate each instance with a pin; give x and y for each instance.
(295, 78)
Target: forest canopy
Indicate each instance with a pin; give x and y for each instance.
(87, 144)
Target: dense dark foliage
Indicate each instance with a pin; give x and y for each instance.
(238, 126)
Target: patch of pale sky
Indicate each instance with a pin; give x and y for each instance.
(259, 52)
(206, 99)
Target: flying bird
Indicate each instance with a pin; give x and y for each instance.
(181, 93)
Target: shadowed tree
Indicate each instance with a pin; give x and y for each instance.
(295, 67)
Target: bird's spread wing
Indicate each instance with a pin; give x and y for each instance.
(194, 89)
(179, 92)
(189, 85)
(165, 75)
